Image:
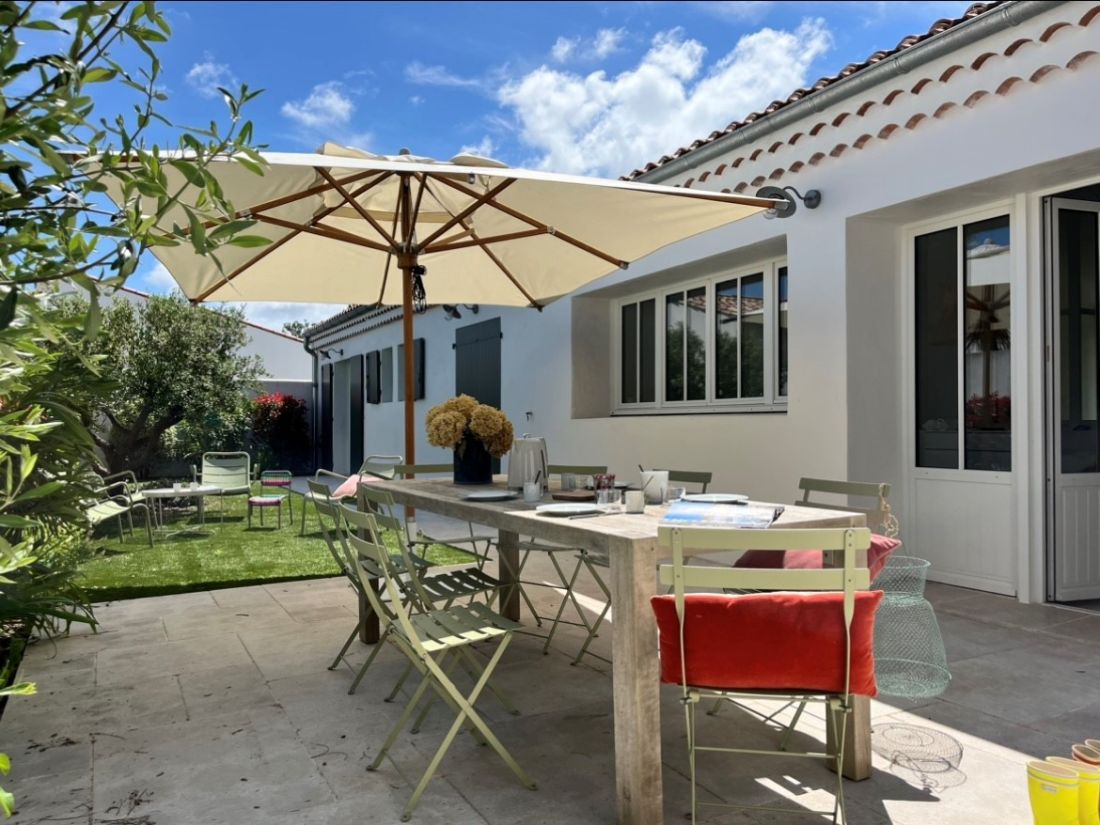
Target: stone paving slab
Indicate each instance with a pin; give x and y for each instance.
(218, 707)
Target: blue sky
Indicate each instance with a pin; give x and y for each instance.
(590, 88)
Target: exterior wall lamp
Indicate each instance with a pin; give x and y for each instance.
(787, 194)
(452, 313)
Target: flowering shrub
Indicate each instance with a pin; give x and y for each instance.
(280, 431)
(450, 422)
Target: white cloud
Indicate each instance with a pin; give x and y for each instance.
(483, 148)
(416, 100)
(563, 48)
(609, 125)
(158, 279)
(206, 77)
(327, 105)
(274, 314)
(417, 72)
(577, 49)
(607, 42)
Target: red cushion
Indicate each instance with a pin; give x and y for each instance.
(768, 641)
(877, 554)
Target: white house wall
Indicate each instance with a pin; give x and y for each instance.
(999, 121)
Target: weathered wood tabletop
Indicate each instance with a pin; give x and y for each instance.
(629, 541)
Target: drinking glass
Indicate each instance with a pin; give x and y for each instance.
(675, 493)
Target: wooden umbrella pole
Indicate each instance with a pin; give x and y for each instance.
(406, 262)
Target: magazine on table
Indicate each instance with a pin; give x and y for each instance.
(700, 514)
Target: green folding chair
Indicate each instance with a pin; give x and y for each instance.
(229, 471)
(594, 563)
(698, 622)
(332, 529)
(553, 552)
(433, 642)
(114, 501)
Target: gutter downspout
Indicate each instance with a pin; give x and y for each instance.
(957, 37)
(315, 392)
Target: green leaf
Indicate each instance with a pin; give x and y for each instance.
(7, 308)
(7, 802)
(99, 75)
(190, 172)
(249, 241)
(5, 764)
(93, 319)
(20, 689)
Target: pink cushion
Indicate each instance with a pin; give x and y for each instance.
(768, 641)
(877, 554)
(348, 488)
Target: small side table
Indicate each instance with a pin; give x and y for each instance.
(262, 503)
(157, 495)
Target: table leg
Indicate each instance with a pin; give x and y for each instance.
(368, 621)
(857, 740)
(508, 548)
(636, 684)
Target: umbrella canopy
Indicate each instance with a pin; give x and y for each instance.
(349, 227)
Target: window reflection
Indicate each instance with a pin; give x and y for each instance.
(987, 343)
(674, 347)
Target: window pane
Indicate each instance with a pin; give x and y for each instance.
(988, 390)
(696, 341)
(629, 369)
(648, 350)
(725, 339)
(781, 354)
(937, 348)
(674, 347)
(752, 336)
(1077, 274)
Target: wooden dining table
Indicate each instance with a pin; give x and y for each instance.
(629, 541)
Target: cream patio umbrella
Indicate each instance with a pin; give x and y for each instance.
(350, 227)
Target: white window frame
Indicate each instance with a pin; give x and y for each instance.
(910, 234)
(769, 402)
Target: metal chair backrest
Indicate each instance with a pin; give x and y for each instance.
(846, 578)
(229, 471)
(373, 561)
(699, 477)
(382, 509)
(332, 528)
(880, 518)
(383, 466)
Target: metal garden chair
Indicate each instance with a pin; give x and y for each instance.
(381, 466)
(596, 562)
(281, 480)
(790, 646)
(552, 552)
(231, 472)
(429, 640)
(113, 501)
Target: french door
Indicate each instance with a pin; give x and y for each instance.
(1074, 407)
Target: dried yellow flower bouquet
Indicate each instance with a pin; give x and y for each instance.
(450, 422)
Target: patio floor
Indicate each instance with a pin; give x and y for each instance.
(216, 707)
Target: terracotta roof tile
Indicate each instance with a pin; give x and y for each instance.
(938, 27)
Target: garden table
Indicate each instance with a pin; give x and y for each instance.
(199, 492)
(629, 541)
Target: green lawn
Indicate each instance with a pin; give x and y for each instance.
(231, 555)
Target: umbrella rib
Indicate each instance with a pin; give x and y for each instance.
(358, 207)
(330, 232)
(479, 201)
(389, 260)
(272, 247)
(562, 236)
(500, 264)
(297, 196)
(511, 236)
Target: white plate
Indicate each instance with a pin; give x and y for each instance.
(715, 498)
(567, 509)
(491, 495)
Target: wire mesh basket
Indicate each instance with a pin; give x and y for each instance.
(910, 660)
(902, 576)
